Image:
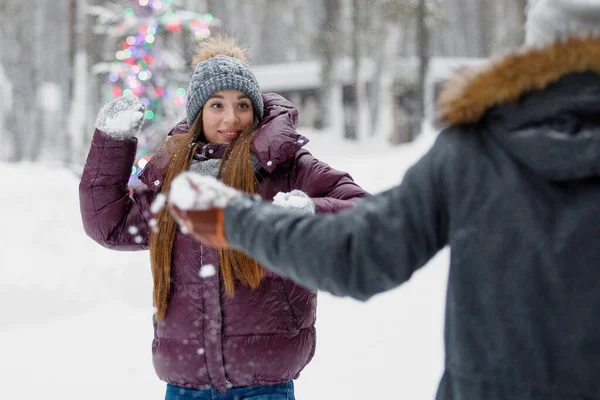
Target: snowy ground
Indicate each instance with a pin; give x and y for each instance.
(75, 319)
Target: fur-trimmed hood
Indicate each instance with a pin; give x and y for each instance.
(542, 105)
(469, 94)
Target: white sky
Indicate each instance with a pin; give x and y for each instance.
(75, 319)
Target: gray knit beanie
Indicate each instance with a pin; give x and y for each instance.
(552, 20)
(217, 73)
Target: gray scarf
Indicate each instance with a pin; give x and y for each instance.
(211, 167)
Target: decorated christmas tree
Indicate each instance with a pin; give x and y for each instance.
(147, 41)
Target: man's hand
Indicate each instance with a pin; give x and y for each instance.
(197, 202)
(206, 226)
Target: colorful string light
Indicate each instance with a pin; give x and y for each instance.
(134, 62)
(132, 69)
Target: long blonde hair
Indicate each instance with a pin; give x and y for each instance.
(236, 171)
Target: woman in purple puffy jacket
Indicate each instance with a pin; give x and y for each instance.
(224, 327)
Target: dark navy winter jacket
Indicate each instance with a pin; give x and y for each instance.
(513, 187)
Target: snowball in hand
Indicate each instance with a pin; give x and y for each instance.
(287, 201)
(124, 121)
(122, 117)
(295, 200)
(192, 191)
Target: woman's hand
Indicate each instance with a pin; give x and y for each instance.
(122, 117)
(295, 200)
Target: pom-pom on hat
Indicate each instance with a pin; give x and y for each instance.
(220, 64)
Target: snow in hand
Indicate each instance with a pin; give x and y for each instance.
(290, 201)
(192, 191)
(124, 121)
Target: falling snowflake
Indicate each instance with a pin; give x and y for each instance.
(207, 270)
(158, 203)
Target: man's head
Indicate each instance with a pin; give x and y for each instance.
(552, 20)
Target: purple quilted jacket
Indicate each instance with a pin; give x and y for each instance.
(207, 339)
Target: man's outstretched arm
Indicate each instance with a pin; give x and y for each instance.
(358, 252)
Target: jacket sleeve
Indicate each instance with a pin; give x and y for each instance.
(112, 215)
(331, 190)
(360, 252)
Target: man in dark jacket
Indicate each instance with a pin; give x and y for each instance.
(512, 185)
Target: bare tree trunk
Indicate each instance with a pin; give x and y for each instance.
(94, 45)
(38, 135)
(78, 110)
(375, 94)
(74, 45)
(211, 6)
(522, 10)
(327, 42)
(5, 91)
(486, 27)
(468, 22)
(19, 68)
(423, 53)
(271, 28)
(353, 125)
(197, 5)
(380, 48)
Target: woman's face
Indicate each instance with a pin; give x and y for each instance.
(225, 115)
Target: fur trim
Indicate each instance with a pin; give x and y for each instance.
(218, 45)
(468, 95)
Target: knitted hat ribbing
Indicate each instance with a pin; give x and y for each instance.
(221, 72)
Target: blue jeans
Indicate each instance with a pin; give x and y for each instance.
(281, 391)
